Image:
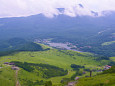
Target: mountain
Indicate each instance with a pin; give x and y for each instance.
(81, 30)
(40, 25)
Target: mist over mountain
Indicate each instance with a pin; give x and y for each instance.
(39, 24)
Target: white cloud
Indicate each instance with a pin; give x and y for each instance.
(17, 8)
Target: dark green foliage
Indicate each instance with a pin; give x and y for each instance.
(30, 47)
(87, 70)
(25, 66)
(65, 80)
(16, 41)
(78, 73)
(19, 44)
(33, 83)
(48, 70)
(106, 51)
(39, 82)
(48, 83)
(76, 67)
(111, 63)
(100, 57)
(4, 53)
(29, 83)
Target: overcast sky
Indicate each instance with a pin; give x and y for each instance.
(17, 8)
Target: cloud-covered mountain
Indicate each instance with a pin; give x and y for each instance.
(73, 8)
(39, 25)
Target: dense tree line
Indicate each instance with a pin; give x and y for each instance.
(47, 70)
(78, 73)
(4, 53)
(33, 83)
(76, 67)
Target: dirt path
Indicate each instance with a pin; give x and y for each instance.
(72, 83)
(17, 82)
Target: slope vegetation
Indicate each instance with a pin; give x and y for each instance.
(50, 65)
(107, 78)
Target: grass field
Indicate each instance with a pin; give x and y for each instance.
(62, 59)
(103, 79)
(108, 43)
(99, 80)
(7, 76)
(112, 59)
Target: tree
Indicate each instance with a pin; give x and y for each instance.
(48, 83)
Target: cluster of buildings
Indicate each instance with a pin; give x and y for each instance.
(13, 65)
(106, 67)
(7, 63)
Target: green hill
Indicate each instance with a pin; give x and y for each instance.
(19, 44)
(107, 78)
(7, 76)
(108, 43)
(50, 65)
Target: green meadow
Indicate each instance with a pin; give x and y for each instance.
(99, 80)
(112, 59)
(107, 78)
(58, 58)
(7, 76)
(108, 43)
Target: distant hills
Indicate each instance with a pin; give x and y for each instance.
(39, 25)
(81, 30)
(19, 44)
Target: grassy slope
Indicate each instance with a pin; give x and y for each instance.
(99, 80)
(108, 43)
(112, 59)
(52, 57)
(7, 76)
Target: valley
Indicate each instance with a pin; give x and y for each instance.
(59, 51)
(62, 46)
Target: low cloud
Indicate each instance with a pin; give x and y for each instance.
(73, 8)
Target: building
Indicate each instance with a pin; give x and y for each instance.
(14, 68)
(6, 63)
(76, 78)
(11, 63)
(71, 83)
(106, 67)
